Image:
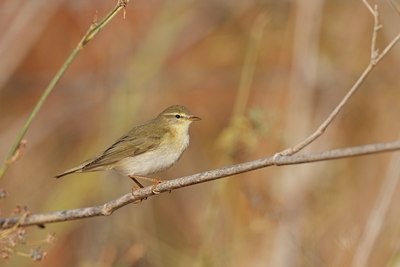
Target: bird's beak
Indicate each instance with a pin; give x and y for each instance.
(194, 118)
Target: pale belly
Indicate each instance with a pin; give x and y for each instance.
(152, 161)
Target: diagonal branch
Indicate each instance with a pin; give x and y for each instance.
(141, 194)
(375, 58)
(92, 31)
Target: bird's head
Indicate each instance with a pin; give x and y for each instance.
(177, 117)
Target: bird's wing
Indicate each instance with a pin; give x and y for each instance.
(124, 147)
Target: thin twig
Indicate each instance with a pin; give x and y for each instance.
(377, 27)
(375, 58)
(369, 7)
(140, 194)
(92, 31)
(388, 48)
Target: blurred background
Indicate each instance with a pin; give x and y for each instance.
(262, 75)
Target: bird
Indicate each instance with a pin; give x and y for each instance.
(146, 149)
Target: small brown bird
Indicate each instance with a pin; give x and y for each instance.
(146, 149)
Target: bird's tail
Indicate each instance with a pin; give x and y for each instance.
(73, 170)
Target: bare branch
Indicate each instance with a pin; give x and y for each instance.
(375, 58)
(388, 48)
(369, 7)
(377, 27)
(140, 194)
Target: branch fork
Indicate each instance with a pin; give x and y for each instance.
(375, 58)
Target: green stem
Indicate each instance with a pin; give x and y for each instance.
(92, 31)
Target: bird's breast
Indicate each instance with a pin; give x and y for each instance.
(159, 159)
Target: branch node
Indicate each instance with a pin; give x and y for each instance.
(106, 211)
(288, 152)
(276, 157)
(123, 3)
(18, 153)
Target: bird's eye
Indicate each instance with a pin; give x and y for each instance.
(178, 116)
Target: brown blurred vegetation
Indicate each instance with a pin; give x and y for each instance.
(192, 53)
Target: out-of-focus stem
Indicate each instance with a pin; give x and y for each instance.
(92, 31)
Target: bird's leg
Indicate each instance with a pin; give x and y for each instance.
(136, 188)
(155, 181)
(136, 181)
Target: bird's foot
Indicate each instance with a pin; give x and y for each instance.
(134, 188)
(154, 180)
(153, 189)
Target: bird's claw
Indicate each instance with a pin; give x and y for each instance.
(134, 188)
(153, 189)
(137, 201)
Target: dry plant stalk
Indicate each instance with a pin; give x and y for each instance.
(375, 58)
(92, 31)
(14, 238)
(13, 232)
